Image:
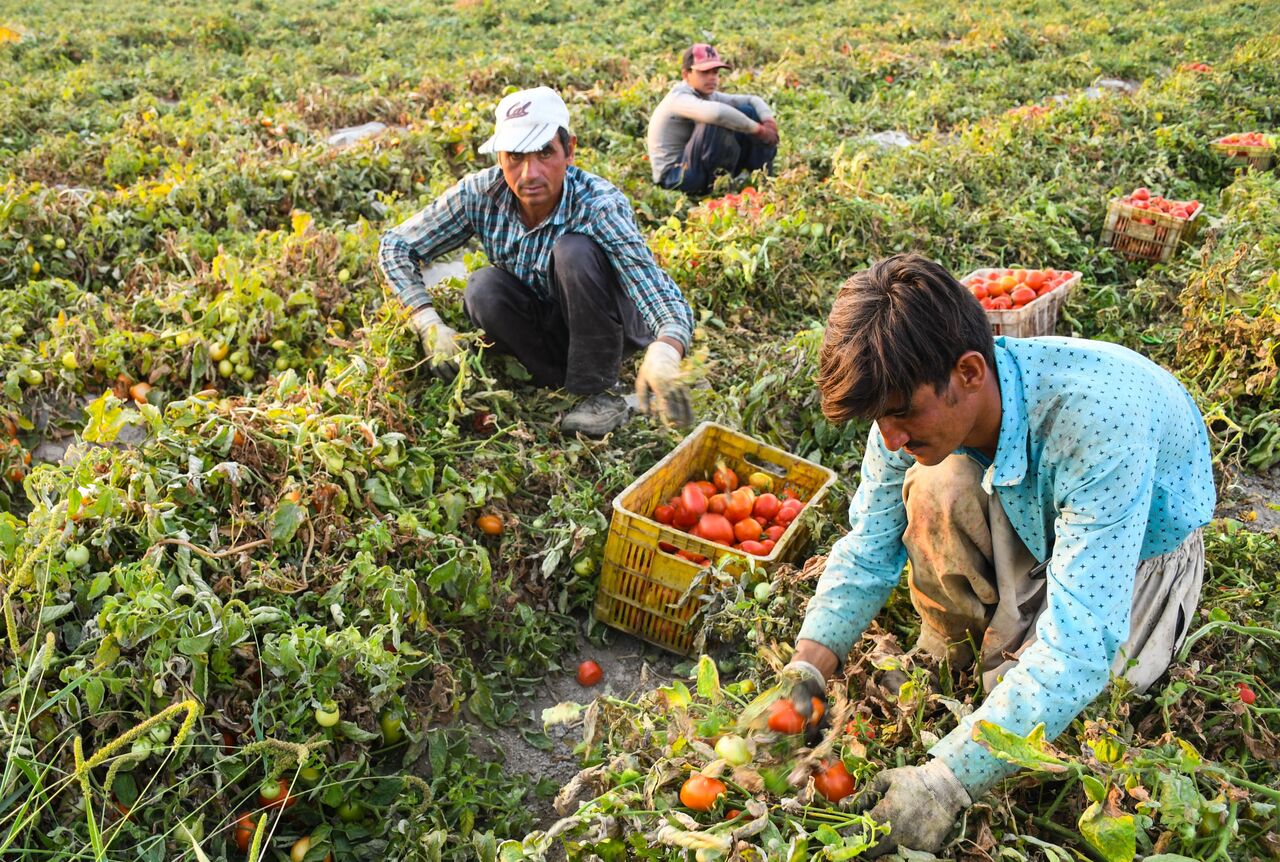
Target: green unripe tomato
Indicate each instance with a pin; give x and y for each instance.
(238, 357)
(350, 811)
(141, 748)
(584, 565)
(278, 345)
(327, 714)
(182, 339)
(230, 314)
(344, 275)
(33, 377)
(16, 331)
(733, 749)
(309, 774)
(69, 361)
(160, 733)
(281, 363)
(77, 555)
(59, 243)
(392, 727)
(225, 368)
(762, 591)
(244, 372)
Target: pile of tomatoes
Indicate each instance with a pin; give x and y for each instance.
(1195, 67)
(1003, 289)
(746, 517)
(1142, 199)
(1246, 139)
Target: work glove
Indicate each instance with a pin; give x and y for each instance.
(802, 682)
(660, 389)
(767, 132)
(439, 342)
(920, 804)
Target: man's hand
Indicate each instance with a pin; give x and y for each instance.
(802, 682)
(660, 389)
(920, 804)
(439, 342)
(767, 132)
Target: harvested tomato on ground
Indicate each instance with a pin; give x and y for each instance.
(700, 792)
(589, 673)
(834, 781)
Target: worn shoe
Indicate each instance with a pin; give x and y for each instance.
(596, 415)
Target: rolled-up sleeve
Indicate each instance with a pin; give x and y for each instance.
(429, 233)
(659, 301)
(1103, 509)
(865, 564)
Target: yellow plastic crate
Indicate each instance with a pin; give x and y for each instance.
(645, 590)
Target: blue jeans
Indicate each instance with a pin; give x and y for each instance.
(713, 150)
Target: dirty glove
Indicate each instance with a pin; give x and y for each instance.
(920, 804)
(802, 682)
(439, 342)
(659, 387)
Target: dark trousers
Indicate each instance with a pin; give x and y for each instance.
(714, 150)
(578, 338)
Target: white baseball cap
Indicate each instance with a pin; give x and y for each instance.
(527, 121)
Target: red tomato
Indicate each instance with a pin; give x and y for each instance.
(788, 512)
(683, 518)
(1141, 193)
(706, 487)
(1036, 278)
(245, 827)
(1022, 296)
(589, 674)
(741, 502)
(724, 478)
(747, 530)
(756, 548)
(1247, 695)
(834, 782)
(700, 792)
(766, 507)
(768, 546)
(775, 532)
(664, 514)
(783, 717)
(979, 291)
(716, 528)
(718, 504)
(1002, 303)
(490, 525)
(694, 500)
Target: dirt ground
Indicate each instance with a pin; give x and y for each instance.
(1253, 499)
(629, 666)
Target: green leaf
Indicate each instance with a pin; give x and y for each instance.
(709, 680)
(1093, 788)
(285, 522)
(677, 694)
(355, 732)
(1029, 752)
(1109, 831)
(106, 419)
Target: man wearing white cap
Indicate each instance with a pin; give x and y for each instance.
(696, 132)
(571, 288)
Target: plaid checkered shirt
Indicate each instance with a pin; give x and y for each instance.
(482, 205)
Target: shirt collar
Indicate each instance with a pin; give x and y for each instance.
(1010, 464)
(505, 199)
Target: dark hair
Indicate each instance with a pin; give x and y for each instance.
(564, 136)
(893, 328)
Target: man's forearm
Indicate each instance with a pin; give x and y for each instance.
(817, 655)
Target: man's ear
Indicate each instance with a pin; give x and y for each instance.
(972, 370)
(573, 147)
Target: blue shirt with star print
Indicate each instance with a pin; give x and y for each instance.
(1102, 461)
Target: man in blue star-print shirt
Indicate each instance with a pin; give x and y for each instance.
(1049, 494)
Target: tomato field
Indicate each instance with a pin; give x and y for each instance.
(266, 582)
